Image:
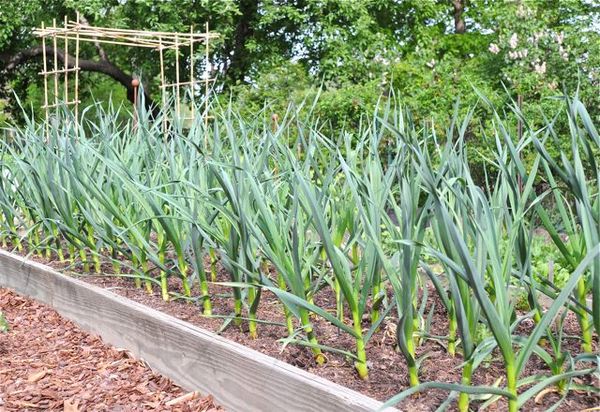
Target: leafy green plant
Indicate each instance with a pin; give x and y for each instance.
(297, 210)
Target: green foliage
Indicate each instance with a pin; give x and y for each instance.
(298, 209)
(288, 86)
(3, 323)
(283, 52)
(3, 114)
(283, 86)
(547, 262)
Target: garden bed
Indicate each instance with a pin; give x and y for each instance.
(47, 362)
(388, 372)
(238, 378)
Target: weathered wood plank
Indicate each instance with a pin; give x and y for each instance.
(239, 378)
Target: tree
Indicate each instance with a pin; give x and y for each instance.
(431, 51)
(459, 22)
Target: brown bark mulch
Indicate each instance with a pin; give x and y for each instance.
(388, 374)
(48, 363)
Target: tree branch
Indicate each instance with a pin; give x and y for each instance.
(11, 62)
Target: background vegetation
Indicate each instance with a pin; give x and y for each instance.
(431, 52)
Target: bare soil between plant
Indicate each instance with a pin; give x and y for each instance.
(48, 363)
(388, 374)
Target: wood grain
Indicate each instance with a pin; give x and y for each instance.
(239, 378)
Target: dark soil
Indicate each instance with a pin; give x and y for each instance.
(46, 362)
(387, 369)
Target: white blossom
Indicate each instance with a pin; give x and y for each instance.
(560, 37)
(380, 59)
(431, 64)
(514, 41)
(540, 68)
(494, 48)
(564, 54)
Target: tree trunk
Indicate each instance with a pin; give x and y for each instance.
(459, 21)
(236, 52)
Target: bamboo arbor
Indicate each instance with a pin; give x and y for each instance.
(70, 34)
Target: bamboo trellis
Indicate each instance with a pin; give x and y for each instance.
(77, 32)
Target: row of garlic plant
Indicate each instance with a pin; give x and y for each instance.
(483, 239)
(324, 213)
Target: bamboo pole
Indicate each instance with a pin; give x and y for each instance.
(167, 37)
(45, 86)
(59, 71)
(60, 103)
(207, 60)
(177, 96)
(125, 38)
(66, 65)
(54, 42)
(93, 37)
(162, 83)
(120, 39)
(107, 38)
(77, 80)
(148, 33)
(135, 83)
(181, 83)
(520, 136)
(75, 31)
(192, 74)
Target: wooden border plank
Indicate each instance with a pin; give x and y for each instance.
(239, 378)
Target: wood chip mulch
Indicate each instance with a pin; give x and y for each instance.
(48, 363)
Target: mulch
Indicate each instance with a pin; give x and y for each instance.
(388, 373)
(48, 363)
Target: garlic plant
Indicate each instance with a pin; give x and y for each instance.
(303, 211)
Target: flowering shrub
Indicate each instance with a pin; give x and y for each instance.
(538, 57)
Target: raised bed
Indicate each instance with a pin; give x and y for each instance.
(239, 378)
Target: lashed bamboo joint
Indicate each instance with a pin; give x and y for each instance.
(76, 31)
